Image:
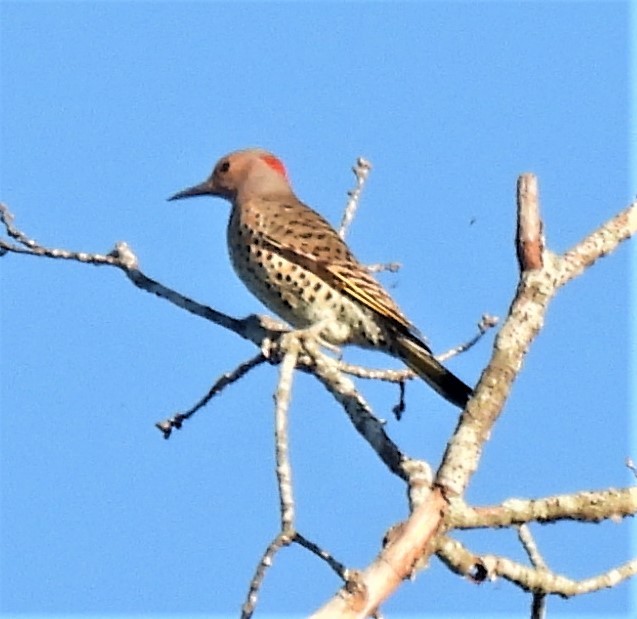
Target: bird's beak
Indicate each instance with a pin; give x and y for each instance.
(203, 189)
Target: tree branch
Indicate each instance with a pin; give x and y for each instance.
(535, 580)
(526, 315)
(589, 506)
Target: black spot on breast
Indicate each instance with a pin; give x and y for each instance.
(317, 286)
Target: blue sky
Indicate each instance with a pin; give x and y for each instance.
(109, 108)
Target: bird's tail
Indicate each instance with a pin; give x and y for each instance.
(419, 358)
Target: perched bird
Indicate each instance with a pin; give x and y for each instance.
(298, 266)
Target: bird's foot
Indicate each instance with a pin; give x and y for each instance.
(312, 334)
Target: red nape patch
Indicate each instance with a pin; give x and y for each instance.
(275, 164)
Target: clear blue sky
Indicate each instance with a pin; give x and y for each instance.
(109, 108)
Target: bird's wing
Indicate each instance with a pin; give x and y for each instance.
(317, 247)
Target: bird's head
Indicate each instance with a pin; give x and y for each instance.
(241, 175)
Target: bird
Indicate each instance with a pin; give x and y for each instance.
(293, 260)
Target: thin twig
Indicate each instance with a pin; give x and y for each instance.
(280, 541)
(361, 171)
(400, 406)
(390, 376)
(175, 422)
(530, 546)
(360, 414)
(486, 322)
(538, 599)
(291, 346)
(378, 267)
(337, 566)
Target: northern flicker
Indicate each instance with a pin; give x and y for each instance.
(298, 266)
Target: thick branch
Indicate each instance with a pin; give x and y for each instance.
(526, 317)
(611, 504)
(461, 458)
(535, 580)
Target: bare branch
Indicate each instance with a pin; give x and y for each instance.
(460, 461)
(281, 540)
(530, 546)
(337, 566)
(282, 399)
(392, 267)
(290, 345)
(598, 244)
(612, 504)
(390, 376)
(525, 319)
(253, 328)
(535, 580)
(368, 426)
(361, 171)
(400, 376)
(486, 322)
(412, 542)
(394, 564)
(538, 601)
(530, 240)
(175, 422)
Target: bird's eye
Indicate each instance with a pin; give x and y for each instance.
(224, 167)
